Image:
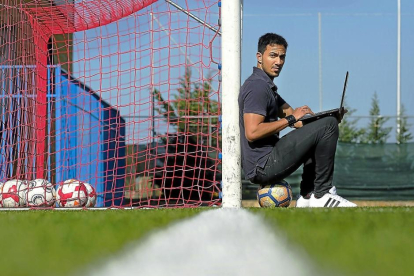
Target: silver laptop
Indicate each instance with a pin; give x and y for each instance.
(337, 112)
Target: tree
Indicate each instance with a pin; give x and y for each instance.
(376, 133)
(404, 135)
(348, 131)
(185, 167)
(190, 110)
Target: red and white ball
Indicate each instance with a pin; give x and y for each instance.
(13, 193)
(72, 193)
(91, 195)
(40, 193)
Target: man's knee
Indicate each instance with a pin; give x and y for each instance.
(328, 125)
(333, 122)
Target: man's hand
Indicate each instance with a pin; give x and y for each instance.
(297, 113)
(301, 111)
(341, 114)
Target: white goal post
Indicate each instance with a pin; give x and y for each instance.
(231, 70)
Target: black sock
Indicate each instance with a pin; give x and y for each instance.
(307, 195)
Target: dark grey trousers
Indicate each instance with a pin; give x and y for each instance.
(314, 146)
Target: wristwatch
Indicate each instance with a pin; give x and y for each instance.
(291, 120)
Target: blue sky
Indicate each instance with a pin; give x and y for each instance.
(357, 36)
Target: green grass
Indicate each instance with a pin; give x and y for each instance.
(61, 242)
(355, 241)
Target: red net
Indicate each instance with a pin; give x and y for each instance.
(123, 95)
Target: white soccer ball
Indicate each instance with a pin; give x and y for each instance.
(72, 193)
(91, 195)
(40, 193)
(13, 193)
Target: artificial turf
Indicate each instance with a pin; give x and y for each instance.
(340, 241)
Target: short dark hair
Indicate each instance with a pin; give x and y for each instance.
(270, 39)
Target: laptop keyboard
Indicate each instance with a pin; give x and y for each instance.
(326, 111)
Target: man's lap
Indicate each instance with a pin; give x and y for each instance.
(290, 152)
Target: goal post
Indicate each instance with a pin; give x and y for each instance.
(231, 70)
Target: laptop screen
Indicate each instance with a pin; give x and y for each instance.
(343, 93)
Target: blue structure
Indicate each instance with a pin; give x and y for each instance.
(86, 137)
(90, 139)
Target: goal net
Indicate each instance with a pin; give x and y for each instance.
(124, 95)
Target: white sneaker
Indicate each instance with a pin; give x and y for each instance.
(302, 202)
(330, 200)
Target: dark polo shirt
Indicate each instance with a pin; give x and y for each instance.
(258, 95)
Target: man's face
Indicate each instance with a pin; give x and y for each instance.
(272, 60)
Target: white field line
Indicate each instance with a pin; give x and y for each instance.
(216, 242)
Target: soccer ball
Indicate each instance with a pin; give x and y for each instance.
(91, 195)
(40, 193)
(72, 193)
(275, 195)
(13, 193)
